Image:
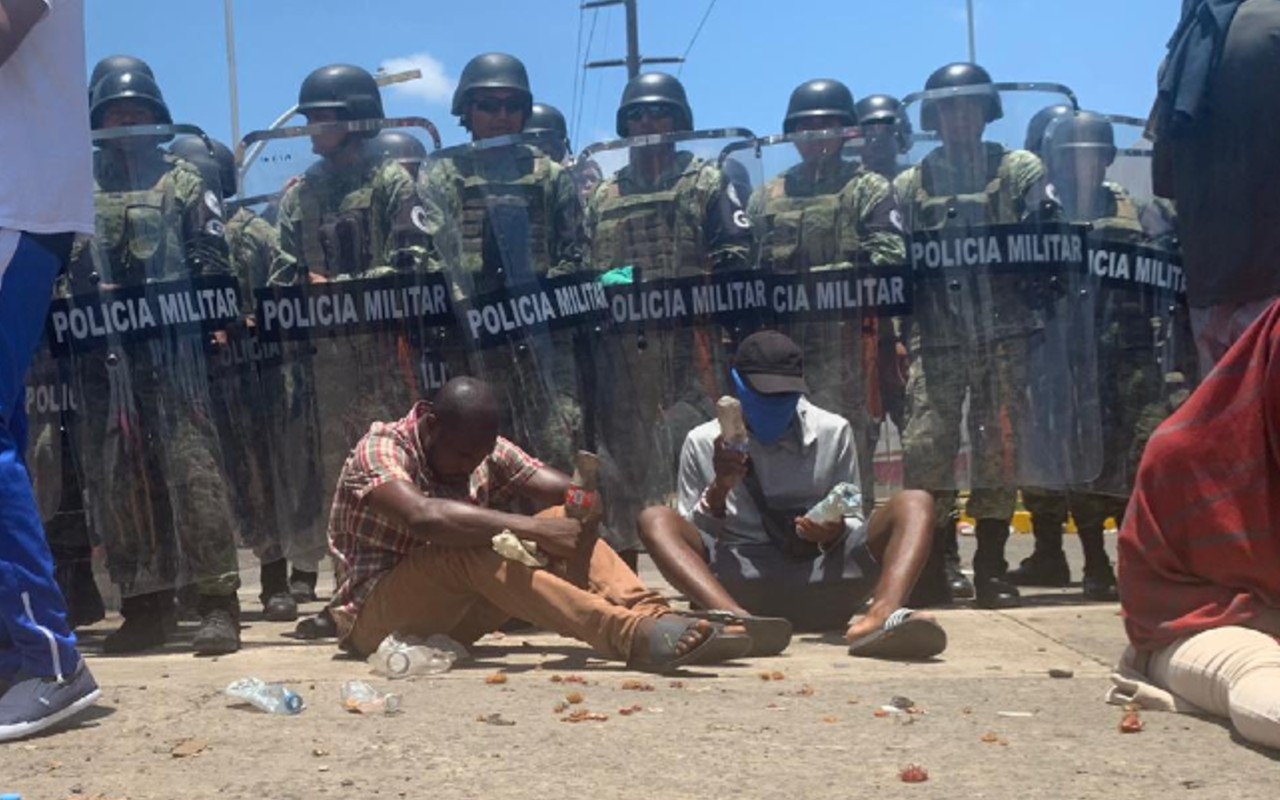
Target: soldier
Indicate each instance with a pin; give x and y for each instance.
(1041, 122)
(152, 460)
(352, 215)
(120, 63)
(668, 214)
(402, 147)
(518, 220)
(823, 213)
(547, 120)
(967, 182)
(1078, 150)
(886, 133)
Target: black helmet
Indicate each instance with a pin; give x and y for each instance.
(819, 98)
(1040, 123)
(492, 71)
(1082, 130)
(884, 109)
(119, 63)
(547, 120)
(956, 76)
(655, 87)
(212, 158)
(127, 86)
(398, 145)
(348, 89)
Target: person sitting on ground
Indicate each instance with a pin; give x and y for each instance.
(740, 546)
(1199, 553)
(411, 530)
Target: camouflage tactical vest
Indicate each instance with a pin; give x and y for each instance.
(798, 227)
(336, 224)
(138, 221)
(505, 213)
(658, 229)
(1122, 220)
(936, 191)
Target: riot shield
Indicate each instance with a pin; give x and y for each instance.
(141, 310)
(669, 238)
(506, 222)
(1145, 355)
(339, 309)
(1002, 382)
(828, 235)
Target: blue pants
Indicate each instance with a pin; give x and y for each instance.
(34, 636)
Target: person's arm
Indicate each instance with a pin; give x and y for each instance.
(204, 237)
(566, 224)
(17, 18)
(546, 487)
(828, 534)
(726, 229)
(877, 235)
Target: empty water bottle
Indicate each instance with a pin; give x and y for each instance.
(842, 501)
(272, 698)
(361, 698)
(404, 657)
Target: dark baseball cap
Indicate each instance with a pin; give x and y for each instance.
(770, 363)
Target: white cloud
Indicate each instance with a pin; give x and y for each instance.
(433, 87)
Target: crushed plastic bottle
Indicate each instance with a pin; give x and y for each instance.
(733, 429)
(842, 501)
(272, 698)
(361, 698)
(405, 657)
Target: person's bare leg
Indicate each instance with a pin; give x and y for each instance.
(899, 534)
(675, 546)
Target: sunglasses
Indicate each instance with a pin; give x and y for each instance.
(652, 110)
(492, 105)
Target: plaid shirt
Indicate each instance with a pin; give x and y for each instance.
(365, 544)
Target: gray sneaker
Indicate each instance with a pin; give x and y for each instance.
(34, 704)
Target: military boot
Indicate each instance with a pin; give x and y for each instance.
(1042, 568)
(989, 566)
(1099, 578)
(278, 604)
(219, 632)
(144, 624)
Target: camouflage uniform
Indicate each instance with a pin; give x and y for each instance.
(653, 391)
(821, 215)
(347, 224)
(513, 217)
(152, 459)
(974, 343)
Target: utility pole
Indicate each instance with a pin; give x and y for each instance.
(633, 61)
(973, 45)
(230, 17)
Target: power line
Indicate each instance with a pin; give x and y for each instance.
(582, 98)
(595, 111)
(696, 31)
(577, 68)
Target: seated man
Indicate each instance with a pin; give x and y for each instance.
(411, 529)
(1200, 550)
(740, 544)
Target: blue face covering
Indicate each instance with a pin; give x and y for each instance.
(767, 415)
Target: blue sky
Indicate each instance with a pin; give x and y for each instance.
(747, 59)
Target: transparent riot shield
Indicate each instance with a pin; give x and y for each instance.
(506, 222)
(338, 308)
(144, 305)
(828, 237)
(1145, 356)
(669, 239)
(1001, 390)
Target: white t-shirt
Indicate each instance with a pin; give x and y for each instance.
(46, 169)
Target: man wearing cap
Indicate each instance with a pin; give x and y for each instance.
(741, 546)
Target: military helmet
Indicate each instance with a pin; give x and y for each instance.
(1040, 123)
(346, 88)
(127, 86)
(958, 76)
(212, 158)
(492, 71)
(655, 87)
(823, 97)
(1083, 130)
(547, 120)
(884, 109)
(399, 146)
(118, 63)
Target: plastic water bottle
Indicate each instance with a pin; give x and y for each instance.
(272, 698)
(842, 501)
(405, 657)
(732, 427)
(361, 698)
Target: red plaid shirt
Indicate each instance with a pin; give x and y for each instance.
(365, 544)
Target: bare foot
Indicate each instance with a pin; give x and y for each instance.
(873, 621)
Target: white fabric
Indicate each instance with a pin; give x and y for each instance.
(8, 246)
(46, 184)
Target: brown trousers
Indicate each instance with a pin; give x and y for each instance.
(468, 592)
